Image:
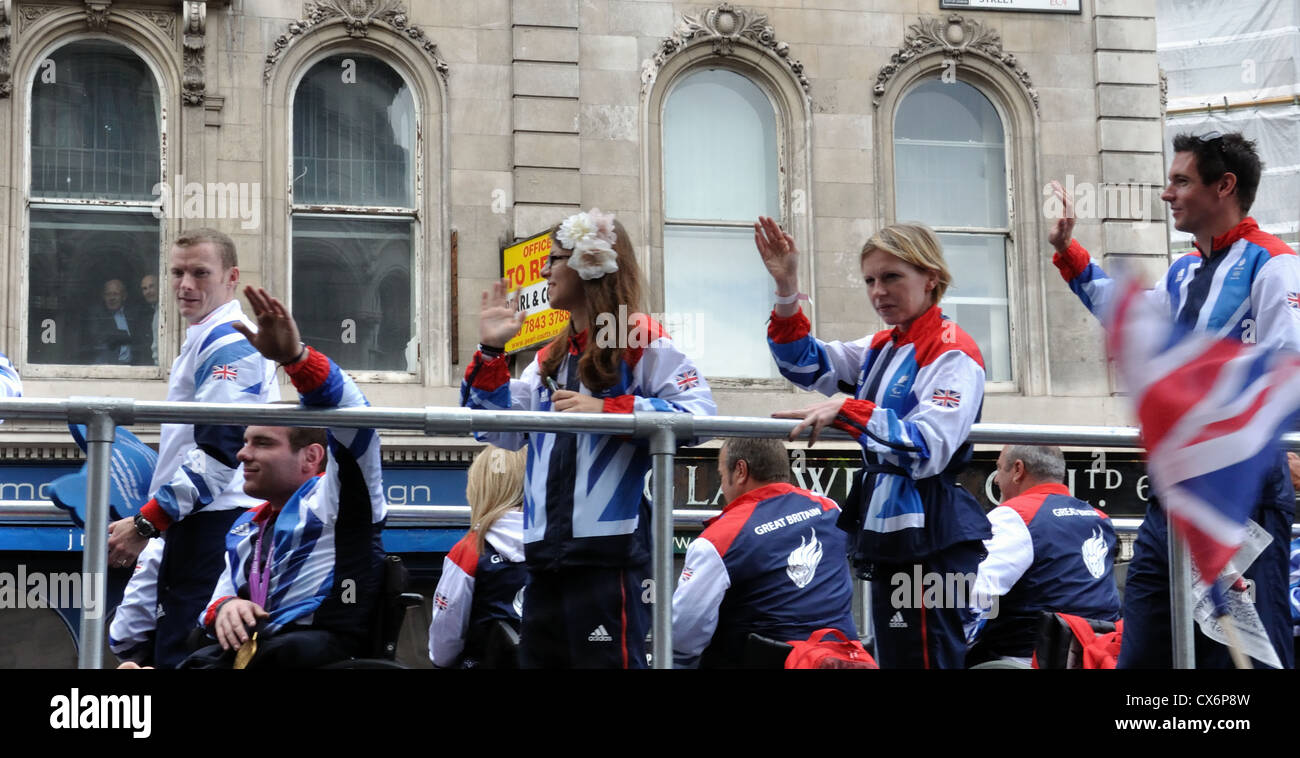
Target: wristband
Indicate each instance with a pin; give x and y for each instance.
(788, 299)
(491, 352)
(298, 357)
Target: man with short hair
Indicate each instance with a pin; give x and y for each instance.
(197, 486)
(773, 563)
(1241, 283)
(107, 330)
(1049, 552)
(303, 570)
(148, 318)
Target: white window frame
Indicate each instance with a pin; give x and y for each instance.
(167, 338)
(373, 212)
(666, 221)
(1004, 231)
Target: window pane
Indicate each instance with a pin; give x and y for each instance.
(948, 143)
(717, 289)
(353, 135)
(94, 124)
(720, 158)
(352, 290)
(977, 297)
(85, 304)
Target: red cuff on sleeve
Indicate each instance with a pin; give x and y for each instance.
(853, 416)
(785, 330)
(620, 404)
(156, 515)
(1073, 261)
(491, 372)
(311, 373)
(210, 617)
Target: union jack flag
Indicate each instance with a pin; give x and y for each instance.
(440, 600)
(687, 573)
(946, 398)
(1211, 412)
(1293, 299)
(224, 371)
(687, 379)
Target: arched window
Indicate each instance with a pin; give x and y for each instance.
(721, 171)
(95, 166)
(355, 212)
(950, 172)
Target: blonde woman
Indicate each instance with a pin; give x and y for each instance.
(483, 576)
(586, 522)
(916, 389)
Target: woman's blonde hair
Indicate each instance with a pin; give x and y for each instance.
(496, 485)
(598, 366)
(916, 244)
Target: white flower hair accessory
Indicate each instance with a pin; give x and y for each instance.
(591, 237)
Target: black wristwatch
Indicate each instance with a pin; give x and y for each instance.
(144, 527)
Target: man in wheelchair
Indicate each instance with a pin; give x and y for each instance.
(304, 570)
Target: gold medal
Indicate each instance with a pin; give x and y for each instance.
(246, 652)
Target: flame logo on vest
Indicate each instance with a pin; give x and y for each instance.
(1094, 554)
(803, 560)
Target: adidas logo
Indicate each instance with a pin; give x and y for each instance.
(599, 635)
(897, 621)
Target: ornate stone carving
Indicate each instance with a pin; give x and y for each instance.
(723, 27)
(357, 16)
(163, 20)
(193, 45)
(1164, 90)
(97, 13)
(955, 36)
(29, 13)
(6, 31)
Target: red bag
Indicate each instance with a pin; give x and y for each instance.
(819, 653)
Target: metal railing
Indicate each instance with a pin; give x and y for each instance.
(664, 432)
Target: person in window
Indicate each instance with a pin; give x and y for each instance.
(483, 576)
(914, 392)
(107, 329)
(144, 322)
(586, 530)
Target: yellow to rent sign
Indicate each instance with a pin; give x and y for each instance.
(522, 263)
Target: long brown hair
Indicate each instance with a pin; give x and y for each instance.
(598, 366)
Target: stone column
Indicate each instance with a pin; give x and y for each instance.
(547, 182)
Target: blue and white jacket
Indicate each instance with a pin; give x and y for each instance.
(326, 557)
(915, 397)
(196, 468)
(583, 502)
(1049, 552)
(1247, 289)
(10, 384)
(131, 634)
(772, 564)
(477, 589)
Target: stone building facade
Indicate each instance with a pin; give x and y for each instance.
(372, 157)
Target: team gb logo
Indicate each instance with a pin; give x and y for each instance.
(803, 560)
